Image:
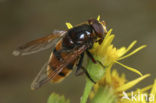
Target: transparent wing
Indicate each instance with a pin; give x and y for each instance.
(39, 44)
(43, 77)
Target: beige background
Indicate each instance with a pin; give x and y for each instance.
(25, 20)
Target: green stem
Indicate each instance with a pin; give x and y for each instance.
(87, 90)
(96, 71)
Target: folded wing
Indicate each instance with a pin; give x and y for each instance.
(40, 44)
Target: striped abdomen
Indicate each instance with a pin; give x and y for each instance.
(55, 58)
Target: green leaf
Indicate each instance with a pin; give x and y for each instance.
(55, 98)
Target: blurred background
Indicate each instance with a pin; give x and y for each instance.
(25, 20)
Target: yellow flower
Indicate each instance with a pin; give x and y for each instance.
(141, 95)
(117, 86)
(108, 54)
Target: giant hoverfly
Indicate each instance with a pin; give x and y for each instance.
(68, 48)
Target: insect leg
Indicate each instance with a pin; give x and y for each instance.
(87, 74)
(101, 64)
(79, 65)
(90, 56)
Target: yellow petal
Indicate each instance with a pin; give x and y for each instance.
(141, 90)
(153, 91)
(107, 41)
(98, 18)
(130, 68)
(121, 51)
(133, 52)
(69, 25)
(108, 75)
(129, 48)
(131, 45)
(103, 47)
(154, 88)
(146, 88)
(114, 73)
(131, 83)
(108, 34)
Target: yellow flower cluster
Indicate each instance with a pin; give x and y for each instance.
(108, 54)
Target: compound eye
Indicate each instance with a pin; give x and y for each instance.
(97, 27)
